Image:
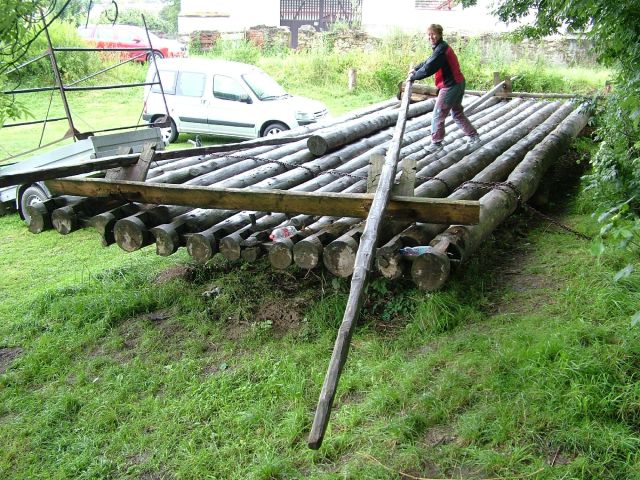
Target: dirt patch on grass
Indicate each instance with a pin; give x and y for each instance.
(162, 320)
(439, 435)
(428, 470)
(560, 458)
(284, 314)
(7, 356)
(184, 272)
(278, 316)
(514, 289)
(351, 397)
(217, 368)
(156, 476)
(130, 332)
(159, 315)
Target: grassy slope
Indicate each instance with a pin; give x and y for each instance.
(524, 360)
(524, 366)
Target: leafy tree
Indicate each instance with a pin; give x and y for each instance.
(614, 29)
(20, 24)
(76, 12)
(155, 22)
(170, 14)
(164, 21)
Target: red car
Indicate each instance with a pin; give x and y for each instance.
(129, 36)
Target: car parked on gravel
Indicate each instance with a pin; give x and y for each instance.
(129, 36)
(220, 97)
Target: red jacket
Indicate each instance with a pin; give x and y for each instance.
(444, 63)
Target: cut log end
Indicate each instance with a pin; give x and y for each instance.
(307, 253)
(314, 444)
(167, 240)
(431, 270)
(340, 257)
(104, 224)
(64, 220)
(131, 234)
(317, 145)
(281, 254)
(230, 247)
(390, 265)
(202, 246)
(39, 218)
(251, 254)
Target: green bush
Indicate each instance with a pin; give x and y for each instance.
(236, 50)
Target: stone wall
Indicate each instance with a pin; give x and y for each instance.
(562, 51)
(269, 37)
(309, 38)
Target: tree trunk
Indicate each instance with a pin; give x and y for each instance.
(132, 233)
(72, 217)
(346, 133)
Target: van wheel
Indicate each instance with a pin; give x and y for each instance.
(169, 134)
(31, 196)
(274, 128)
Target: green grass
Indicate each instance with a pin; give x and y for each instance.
(527, 355)
(523, 366)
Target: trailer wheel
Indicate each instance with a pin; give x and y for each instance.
(31, 196)
(170, 133)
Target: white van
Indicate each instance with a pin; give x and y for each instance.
(220, 97)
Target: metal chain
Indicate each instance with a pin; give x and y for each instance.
(336, 173)
(511, 189)
(556, 222)
(424, 179)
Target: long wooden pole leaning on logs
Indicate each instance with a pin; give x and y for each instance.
(307, 249)
(364, 261)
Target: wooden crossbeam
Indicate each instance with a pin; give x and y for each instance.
(432, 210)
(31, 176)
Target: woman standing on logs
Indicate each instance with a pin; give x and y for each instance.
(450, 82)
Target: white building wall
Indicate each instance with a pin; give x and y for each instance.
(227, 15)
(380, 19)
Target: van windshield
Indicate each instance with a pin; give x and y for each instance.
(265, 87)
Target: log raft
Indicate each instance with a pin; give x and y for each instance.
(228, 199)
(161, 216)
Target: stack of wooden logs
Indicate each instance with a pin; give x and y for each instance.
(519, 138)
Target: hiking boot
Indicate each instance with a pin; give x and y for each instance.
(433, 148)
(473, 141)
